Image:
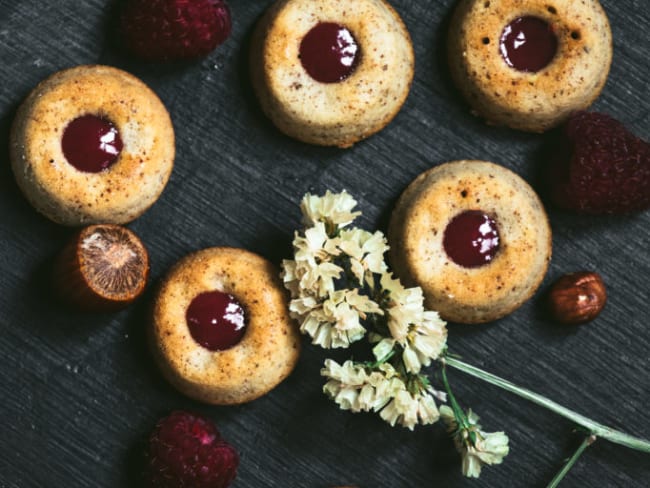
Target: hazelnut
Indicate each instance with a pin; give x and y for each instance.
(578, 297)
(103, 267)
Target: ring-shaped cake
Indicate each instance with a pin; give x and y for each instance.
(529, 65)
(249, 365)
(331, 113)
(53, 164)
(474, 236)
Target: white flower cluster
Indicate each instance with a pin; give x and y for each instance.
(340, 284)
(353, 387)
(475, 446)
(332, 317)
(334, 209)
(421, 333)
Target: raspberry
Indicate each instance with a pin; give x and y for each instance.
(600, 167)
(173, 30)
(186, 450)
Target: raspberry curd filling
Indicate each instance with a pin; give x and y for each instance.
(329, 52)
(471, 239)
(528, 44)
(216, 320)
(91, 143)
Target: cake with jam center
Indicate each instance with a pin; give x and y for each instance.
(221, 331)
(529, 65)
(331, 73)
(92, 144)
(474, 236)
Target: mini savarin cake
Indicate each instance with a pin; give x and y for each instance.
(92, 144)
(529, 65)
(474, 236)
(221, 330)
(331, 72)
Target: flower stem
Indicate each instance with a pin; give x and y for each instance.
(588, 441)
(461, 418)
(590, 425)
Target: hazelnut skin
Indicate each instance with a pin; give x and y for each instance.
(103, 268)
(577, 297)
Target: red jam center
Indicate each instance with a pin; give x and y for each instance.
(91, 144)
(216, 320)
(471, 239)
(528, 44)
(329, 52)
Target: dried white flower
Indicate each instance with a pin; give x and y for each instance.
(366, 252)
(333, 209)
(303, 279)
(345, 383)
(335, 321)
(405, 306)
(408, 409)
(356, 387)
(402, 409)
(299, 307)
(313, 271)
(289, 275)
(386, 383)
(315, 246)
(425, 341)
(422, 334)
(319, 279)
(341, 309)
(476, 447)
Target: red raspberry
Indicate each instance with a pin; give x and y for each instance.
(172, 30)
(601, 168)
(186, 450)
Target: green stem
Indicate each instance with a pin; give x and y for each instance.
(461, 418)
(588, 441)
(376, 364)
(590, 425)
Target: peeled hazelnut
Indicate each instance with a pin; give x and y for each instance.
(578, 297)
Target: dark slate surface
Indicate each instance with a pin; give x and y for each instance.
(79, 392)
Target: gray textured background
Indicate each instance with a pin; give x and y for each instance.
(79, 393)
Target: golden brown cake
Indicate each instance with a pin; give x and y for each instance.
(313, 98)
(474, 236)
(92, 144)
(221, 329)
(528, 65)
